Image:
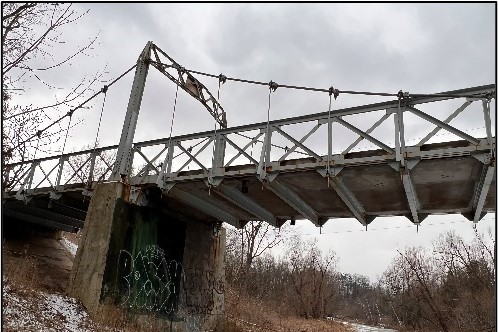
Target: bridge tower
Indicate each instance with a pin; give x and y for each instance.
(145, 256)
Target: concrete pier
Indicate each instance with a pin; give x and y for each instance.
(150, 260)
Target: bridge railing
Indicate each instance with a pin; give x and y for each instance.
(264, 149)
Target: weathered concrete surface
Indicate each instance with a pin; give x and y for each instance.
(204, 288)
(85, 282)
(150, 260)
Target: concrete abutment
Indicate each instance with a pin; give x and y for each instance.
(149, 261)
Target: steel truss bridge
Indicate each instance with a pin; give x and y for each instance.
(244, 173)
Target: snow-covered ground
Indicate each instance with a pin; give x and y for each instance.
(362, 328)
(30, 310)
(365, 328)
(70, 246)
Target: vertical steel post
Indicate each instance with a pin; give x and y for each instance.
(329, 140)
(401, 135)
(124, 156)
(92, 168)
(396, 136)
(59, 173)
(265, 153)
(487, 121)
(218, 160)
(165, 172)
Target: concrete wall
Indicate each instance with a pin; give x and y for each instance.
(204, 289)
(150, 262)
(86, 277)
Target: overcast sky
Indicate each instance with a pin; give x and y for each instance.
(420, 48)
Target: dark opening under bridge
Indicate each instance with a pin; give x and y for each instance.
(160, 203)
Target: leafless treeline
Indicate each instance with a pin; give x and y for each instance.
(35, 54)
(448, 287)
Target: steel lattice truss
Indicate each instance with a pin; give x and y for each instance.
(212, 171)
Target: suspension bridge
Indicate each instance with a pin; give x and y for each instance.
(235, 185)
(161, 202)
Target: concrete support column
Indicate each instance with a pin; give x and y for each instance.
(204, 264)
(86, 280)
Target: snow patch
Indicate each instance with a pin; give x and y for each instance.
(29, 310)
(71, 247)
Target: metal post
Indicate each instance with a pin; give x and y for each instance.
(59, 173)
(216, 175)
(165, 172)
(487, 121)
(329, 150)
(92, 168)
(265, 153)
(401, 135)
(396, 136)
(21, 193)
(124, 155)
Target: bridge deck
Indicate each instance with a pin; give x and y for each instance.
(446, 184)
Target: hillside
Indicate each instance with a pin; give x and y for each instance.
(35, 275)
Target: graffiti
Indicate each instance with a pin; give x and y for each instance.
(149, 283)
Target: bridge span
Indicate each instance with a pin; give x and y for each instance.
(235, 175)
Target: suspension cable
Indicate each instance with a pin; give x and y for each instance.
(70, 112)
(104, 90)
(366, 93)
(173, 117)
(272, 87)
(37, 145)
(67, 132)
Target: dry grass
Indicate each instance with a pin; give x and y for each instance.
(112, 316)
(248, 314)
(243, 313)
(19, 267)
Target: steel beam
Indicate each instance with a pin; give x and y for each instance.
(146, 168)
(447, 120)
(364, 135)
(204, 206)
(487, 120)
(299, 144)
(190, 85)
(246, 203)
(443, 125)
(350, 200)
(294, 201)
(369, 130)
(241, 152)
(301, 141)
(253, 140)
(411, 196)
(481, 192)
(124, 156)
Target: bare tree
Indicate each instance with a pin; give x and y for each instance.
(81, 168)
(32, 37)
(246, 244)
(448, 288)
(313, 279)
